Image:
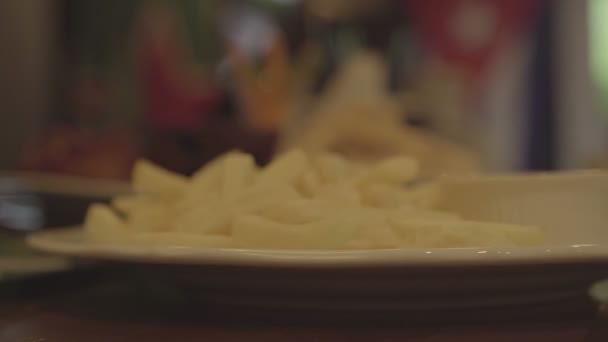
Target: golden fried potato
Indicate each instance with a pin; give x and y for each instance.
(154, 180)
(103, 224)
(299, 201)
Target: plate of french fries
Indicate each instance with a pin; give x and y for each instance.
(324, 232)
(319, 208)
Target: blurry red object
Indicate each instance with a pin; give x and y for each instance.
(73, 151)
(469, 34)
(176, 93)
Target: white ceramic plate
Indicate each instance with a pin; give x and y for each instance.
(73, 242)
(572, 207)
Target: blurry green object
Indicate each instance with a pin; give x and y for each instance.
(19, 261)
(598, 12)
(11, 245)
(599, 292)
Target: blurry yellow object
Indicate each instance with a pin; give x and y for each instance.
(152, 179)
(269, 93)
(299, 201)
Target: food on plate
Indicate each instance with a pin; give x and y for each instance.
(357, 116)
(300, 201)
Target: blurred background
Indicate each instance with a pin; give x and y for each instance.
(88, 86)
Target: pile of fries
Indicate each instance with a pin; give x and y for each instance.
(299, 201)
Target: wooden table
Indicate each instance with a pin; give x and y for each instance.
(106, 306)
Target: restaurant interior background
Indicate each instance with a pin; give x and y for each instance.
(89, 86)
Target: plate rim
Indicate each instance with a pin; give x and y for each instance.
(54, 242)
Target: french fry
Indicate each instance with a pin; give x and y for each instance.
(297, 211)
(258, 197)
(308, 184)
(126, 203)
(409, 213)
(103, 224)
(207, 179)
(150, 216)
(209, 184)
(151, 179)
(193, 202)
(215, 219)
(331, 167)
(342, 193)
(238, 173)
(381, 196)
(460, 233)
(398, 170)
(286, 169)
(422, 196)
(297, 202)
(256, 232)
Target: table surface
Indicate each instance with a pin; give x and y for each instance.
(105, 306)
